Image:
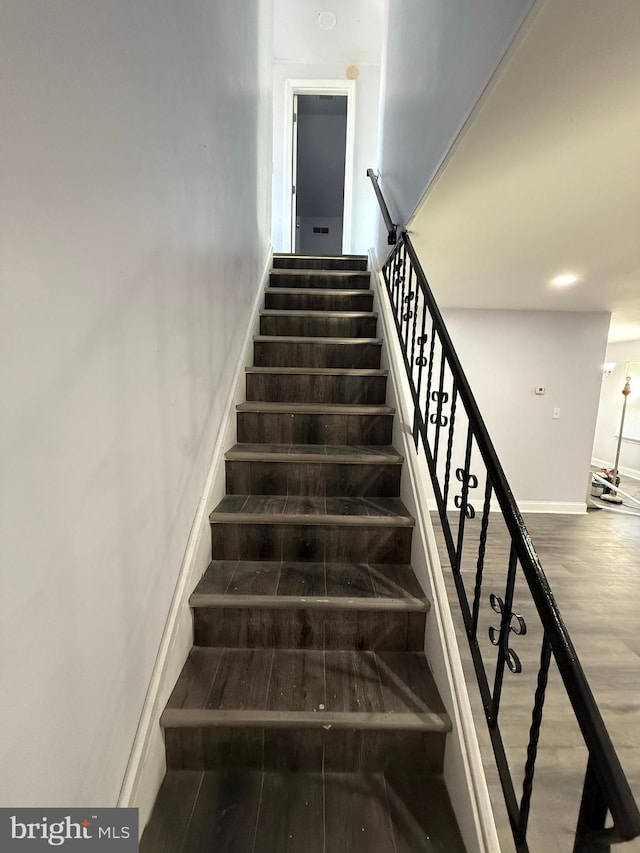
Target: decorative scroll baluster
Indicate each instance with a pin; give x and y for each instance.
(414, 329)
(402, 284)
(506, 655)
(440, 396)
(397, 273)
(534, 737)
(452, 422)
(419, 425)
(482, 546)
(430, 373)
(408, 308)
(462, 501)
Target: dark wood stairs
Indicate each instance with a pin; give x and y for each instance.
(306, 717)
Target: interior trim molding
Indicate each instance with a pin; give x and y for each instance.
(626, 472)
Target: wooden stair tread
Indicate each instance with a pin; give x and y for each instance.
(317, 291)
(295, 312)
(286, 255)
(313, 811)
(316, 408)
(279, 509)
(421, 721)
(329, 454)
(306, 339)
(306, 688)
(320, 272)
(320, 584)
(319, 371)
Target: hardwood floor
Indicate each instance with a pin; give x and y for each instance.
(592, 562)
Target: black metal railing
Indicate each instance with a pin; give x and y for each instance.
(494, 550)
(392, 228)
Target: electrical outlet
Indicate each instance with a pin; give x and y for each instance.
(556, 414)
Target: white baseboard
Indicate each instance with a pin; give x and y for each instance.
(146, 766)
(552, 507)
(463, 771)
(558, 507)
(632, 473)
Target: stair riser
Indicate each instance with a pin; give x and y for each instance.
(261, 627)
(326, 281)
(321, 327)
(312, 479)
(268, 428)
(316, 354)
(312, 543)
(307, 263)
(307, 300)
(295, 749)
(313, 388)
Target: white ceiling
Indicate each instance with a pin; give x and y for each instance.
(545, 178)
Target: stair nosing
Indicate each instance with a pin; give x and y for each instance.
(288, 255)
(319, 371)
(319, 291)
(292, 271)
(309, 602)
(315, 339)
(311, 519)
(316, 408)
(426, 721)
(307, 312)
(233, 455)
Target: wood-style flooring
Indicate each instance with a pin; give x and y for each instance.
(592, 562)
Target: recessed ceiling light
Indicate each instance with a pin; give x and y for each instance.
(564, 280)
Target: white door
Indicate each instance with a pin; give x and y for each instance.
(294, 176)
(318, 172)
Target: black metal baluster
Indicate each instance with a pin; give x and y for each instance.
(591, 837)
(402, 281)
(396, 278)
(408, 311)
(534, 737)
(419, 424)
(430, 373)
(482, 547)
(437, 418)
(414, 329)
(463, 476)
(389, 276)
(505, 628)
(452, 421)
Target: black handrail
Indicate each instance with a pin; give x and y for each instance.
(430, 361)
(392, 228)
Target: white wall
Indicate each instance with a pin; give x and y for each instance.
(505, 355)
(438, 59)
(135, 158)
(610, 410)
(303, 50)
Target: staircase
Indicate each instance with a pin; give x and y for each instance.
(306, 717)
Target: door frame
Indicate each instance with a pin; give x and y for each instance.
(318, 87)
